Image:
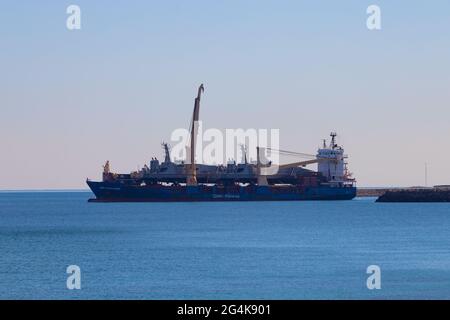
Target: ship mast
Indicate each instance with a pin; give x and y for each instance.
(191, 179)
(261, 179)
(166, 152)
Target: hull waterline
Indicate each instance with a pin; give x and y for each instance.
(117, 192)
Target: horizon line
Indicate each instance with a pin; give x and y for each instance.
(88, 190)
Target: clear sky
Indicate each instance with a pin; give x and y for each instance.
(115, 89)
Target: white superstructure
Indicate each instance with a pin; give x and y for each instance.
(331, 162)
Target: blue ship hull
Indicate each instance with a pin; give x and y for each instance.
(119, 192)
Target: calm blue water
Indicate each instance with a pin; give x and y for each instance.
(267, 250)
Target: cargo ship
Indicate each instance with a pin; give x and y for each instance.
(189, 181)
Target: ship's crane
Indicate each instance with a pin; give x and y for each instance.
(191, 179)
(166, 148)
(311, 159)
(262, 178)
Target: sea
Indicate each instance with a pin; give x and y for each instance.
(234, 250)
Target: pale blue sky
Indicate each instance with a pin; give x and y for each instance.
(118, 87)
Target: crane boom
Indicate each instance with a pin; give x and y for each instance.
(192, 172)
(303, 163)
(298, 164)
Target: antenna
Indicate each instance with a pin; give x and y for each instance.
(426, 174)
(333, 140)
